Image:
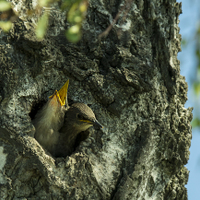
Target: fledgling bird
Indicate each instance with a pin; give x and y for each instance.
(79, 117)
(58, 125)
(50, 119)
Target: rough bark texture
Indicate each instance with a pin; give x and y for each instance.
(132, 81)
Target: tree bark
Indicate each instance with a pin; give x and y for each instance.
(131, 79)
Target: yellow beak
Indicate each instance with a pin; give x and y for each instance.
(62, 93)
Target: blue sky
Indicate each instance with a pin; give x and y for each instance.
(188, 24)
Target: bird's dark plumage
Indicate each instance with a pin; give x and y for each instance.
(79, 117)
(50, 119)
(57, 125)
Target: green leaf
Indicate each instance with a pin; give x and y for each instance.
(198, 53)
(183, 43)
(196, 86)
(195, 122)
(42, 26)
(43, 3)
(73, 34)
(5, 26)
(4, 6)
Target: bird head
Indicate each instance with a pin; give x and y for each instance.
(52, 113)
(81, 117)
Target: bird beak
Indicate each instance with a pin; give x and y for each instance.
(61, 94)
(92, 122)
(54, 99)
(97, 124)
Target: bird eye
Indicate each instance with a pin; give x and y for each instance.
(78, 116)
(81, 117)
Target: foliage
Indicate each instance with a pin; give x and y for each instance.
(75, 9)
(196, 81)
(196, 122)
(4, 9)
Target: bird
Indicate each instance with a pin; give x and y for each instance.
(50, 119)
(57, 124)
(79, 117)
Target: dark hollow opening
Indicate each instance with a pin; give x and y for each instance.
(36, 107)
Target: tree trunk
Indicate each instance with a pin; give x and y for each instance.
(131, 79)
